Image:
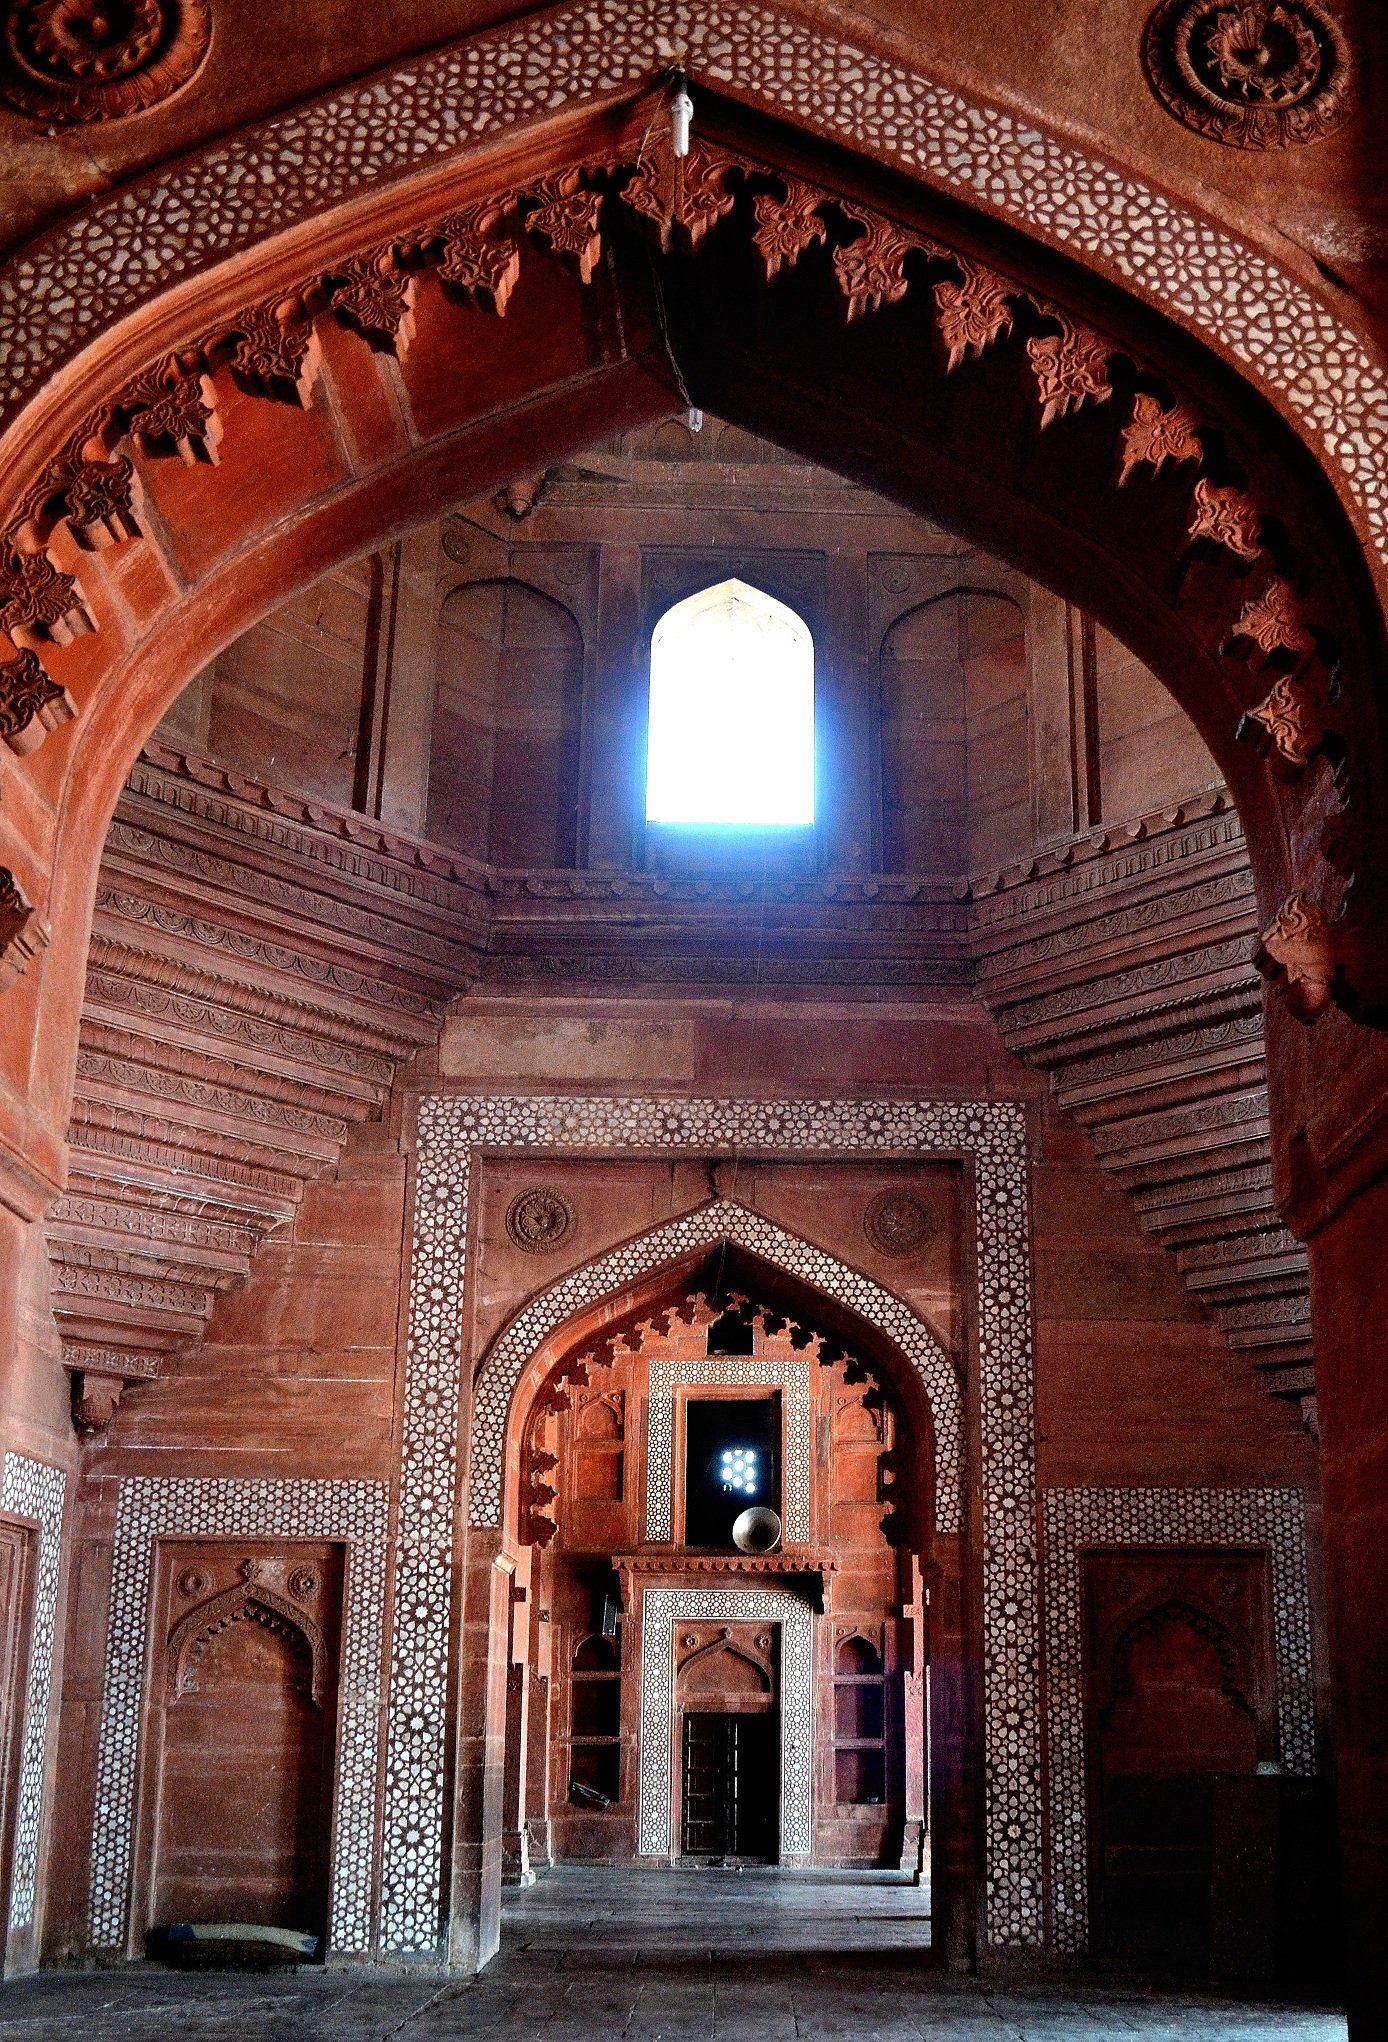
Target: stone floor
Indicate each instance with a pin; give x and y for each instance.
(658, 1957)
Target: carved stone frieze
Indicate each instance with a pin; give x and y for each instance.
(871, 270)
(22, 935)
(1274, 621)
(690, 192)
(567, 215)
(39, 604)
(475, 251)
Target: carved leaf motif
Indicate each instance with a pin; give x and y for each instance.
(171, 409)
(1226, 517)
(972, 313)
(681, 191)
(20, 936)
(1157, 435)
(1300, 953)
(702, 197)
(1274, 621)
(872, 270)
(568, 216)
(38, 602)
(1070, 367)
(375, 297)
(476, 266)
(275, 352)
(1291, 719)
(100, 502)
(787, 227)
(31, 703)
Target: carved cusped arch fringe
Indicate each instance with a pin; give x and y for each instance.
(252, 1601)
(1316, 948)
(94, 272)
(722, 1220)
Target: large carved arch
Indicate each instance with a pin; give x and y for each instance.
(342, 255)
(523, 1353)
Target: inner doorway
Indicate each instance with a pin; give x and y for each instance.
(731, 1774)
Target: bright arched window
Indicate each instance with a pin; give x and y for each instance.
(731, 712)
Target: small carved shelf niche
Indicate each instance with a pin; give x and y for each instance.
(860, 1723)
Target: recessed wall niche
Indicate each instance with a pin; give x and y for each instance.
(240, 1746)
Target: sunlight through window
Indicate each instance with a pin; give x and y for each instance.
(732, 712)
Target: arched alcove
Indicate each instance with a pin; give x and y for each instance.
(503, 759)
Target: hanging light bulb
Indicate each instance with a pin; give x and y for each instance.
(681, 113)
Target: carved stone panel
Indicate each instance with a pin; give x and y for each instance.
(237, 1786)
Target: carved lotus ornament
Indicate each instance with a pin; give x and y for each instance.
(1258, 74)
(538, 1220)
(99, 60)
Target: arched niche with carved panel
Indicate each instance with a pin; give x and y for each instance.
(1181, 1708)
(238, 1759)
(629, 1417)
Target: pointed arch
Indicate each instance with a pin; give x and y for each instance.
(520, 1352)
(260, 1603)
(730, 727)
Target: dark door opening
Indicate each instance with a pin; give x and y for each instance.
(731, 1785)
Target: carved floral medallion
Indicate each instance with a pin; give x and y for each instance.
(1255, 74)
(99, 60)
(538, 1220)
(898, 1223)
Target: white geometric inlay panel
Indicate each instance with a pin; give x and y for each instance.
(1076, 1518)
(661, 1610)
(34, 1490)
(452, 1128)
(790, 1375)
(96, 268)
(154, 1507)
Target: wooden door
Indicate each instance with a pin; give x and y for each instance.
(731, 1785)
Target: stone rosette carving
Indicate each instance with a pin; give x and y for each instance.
(75, 61)
(899, 1223)
(538, 1220)
(1253, 74)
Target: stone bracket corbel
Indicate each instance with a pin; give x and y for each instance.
(99, 1376)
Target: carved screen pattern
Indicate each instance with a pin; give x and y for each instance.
(95, 270)
(791, 1377)
(31, 1489)
(451, 1129)
(154, 1507)
(661, 1610)
(1075, 1518)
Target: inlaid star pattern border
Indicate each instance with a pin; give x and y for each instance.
(452, 1129)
